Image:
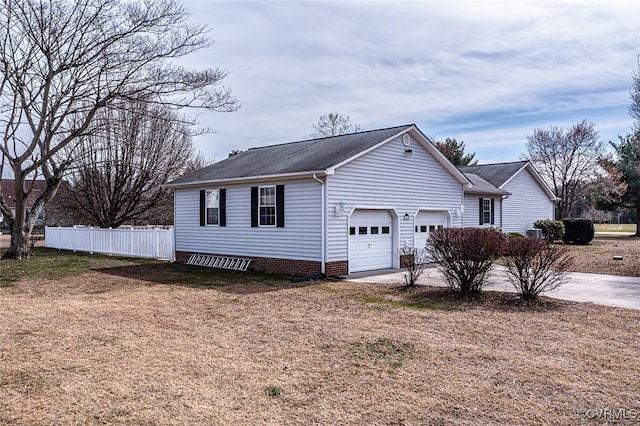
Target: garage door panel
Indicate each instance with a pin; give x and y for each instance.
(427, 222)
(370, 240)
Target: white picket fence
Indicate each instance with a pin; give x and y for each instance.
(154, 243)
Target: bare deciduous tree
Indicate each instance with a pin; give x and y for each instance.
(566, 159)
(61, 62)
(119, 170)
(333, 124)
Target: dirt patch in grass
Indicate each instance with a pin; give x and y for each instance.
(122, 345)
(597, 257)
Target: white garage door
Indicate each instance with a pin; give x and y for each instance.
(425, 223)
(370, 242)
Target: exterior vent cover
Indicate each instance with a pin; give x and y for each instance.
(222, 262)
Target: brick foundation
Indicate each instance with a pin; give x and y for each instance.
(269, 265)
(338, 268)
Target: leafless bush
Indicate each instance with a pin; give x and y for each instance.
(465, 256)
(415, 260)
(534, 266)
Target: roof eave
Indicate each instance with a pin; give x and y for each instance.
(246, 179)
(440, 157)
(426, 144)
(536, 175)
(481, 192)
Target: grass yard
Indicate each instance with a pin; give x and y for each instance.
(612, 227)
(597, 257)
(119, 341)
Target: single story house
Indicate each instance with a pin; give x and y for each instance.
(510, 196)
(334, 205)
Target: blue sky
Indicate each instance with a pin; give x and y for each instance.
(487, 73)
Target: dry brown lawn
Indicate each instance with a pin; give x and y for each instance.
(152, 343)
(597, 257)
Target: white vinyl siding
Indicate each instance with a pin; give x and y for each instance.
(301, 239)
(527, 203)
(472, 214)
(389, 177)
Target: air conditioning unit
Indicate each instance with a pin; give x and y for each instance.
(534, 233)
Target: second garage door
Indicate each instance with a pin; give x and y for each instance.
(370, 240)
(425, 223)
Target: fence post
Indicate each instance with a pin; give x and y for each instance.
(73, 238)
(173, 243)
(157, 238)
(91, 240)
(110, 241)
(131, 238)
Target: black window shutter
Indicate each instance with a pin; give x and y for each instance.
(203, 212)
(223, 207)
(254, 206)
(493, 216)
(280, 206)
(481, 212)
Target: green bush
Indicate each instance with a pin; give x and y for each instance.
(465, 256)
(533, 266)
(515, 235)
(553, 230)
(578, 231)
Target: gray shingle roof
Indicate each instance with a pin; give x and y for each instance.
(302, 156)
(481, 186)
(496, 174)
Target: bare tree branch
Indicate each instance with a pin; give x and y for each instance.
(62, 63)
(333, 124)
(567, 159)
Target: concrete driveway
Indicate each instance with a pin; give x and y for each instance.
(610, 290)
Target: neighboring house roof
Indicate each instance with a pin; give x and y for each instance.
(500, 174)
(497, 173)
(320, 155)
(481, 186)
(8, 191)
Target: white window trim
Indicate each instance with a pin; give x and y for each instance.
(275, 206)
(486, 222)
(206, 199)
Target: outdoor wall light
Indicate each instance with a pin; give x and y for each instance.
(406, 216)
(408, 151)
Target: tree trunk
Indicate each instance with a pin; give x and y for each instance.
(19, 248)
(20, 228)
(21, 225)
(638, 220)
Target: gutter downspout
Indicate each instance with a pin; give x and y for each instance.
(173, 229)
(504, 197)
(323, 222)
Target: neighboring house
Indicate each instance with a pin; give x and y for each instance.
(511, 196)
(8, 191)
(482, 203)
(333, 205)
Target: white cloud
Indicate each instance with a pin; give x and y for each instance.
(491, 71)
